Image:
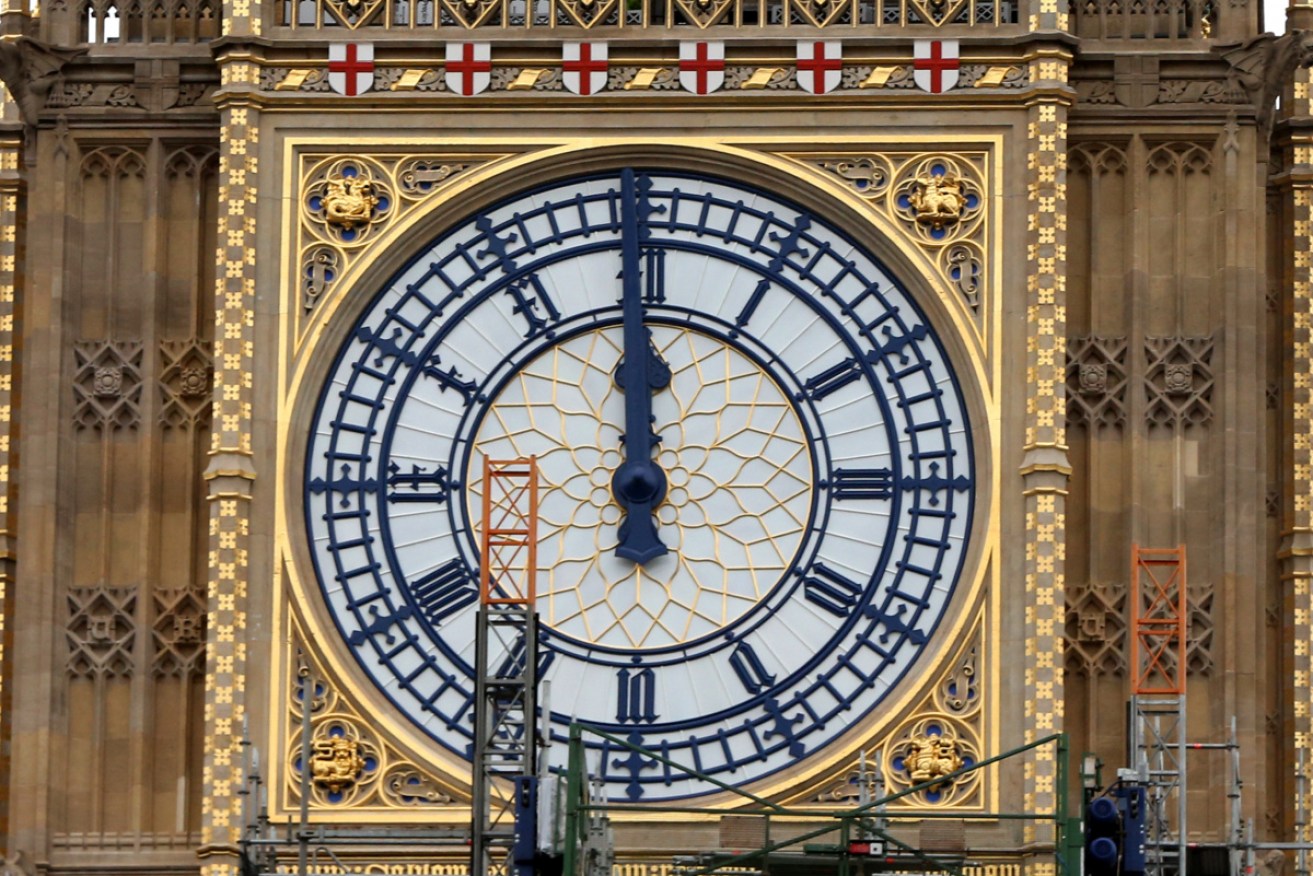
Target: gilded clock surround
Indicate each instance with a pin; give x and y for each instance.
(800, 173)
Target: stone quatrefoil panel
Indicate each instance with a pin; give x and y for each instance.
(1177, 381)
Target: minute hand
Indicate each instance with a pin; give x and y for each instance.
(639, 484)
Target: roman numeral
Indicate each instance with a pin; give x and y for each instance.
(831, 380)
(635, 696)
(408, 486)
(831, 591)
(653, 272)
(654, 275)
(450, 379)
(754, 301)
(862, 483)
(749, 668)
(530, 296)
(445, 591)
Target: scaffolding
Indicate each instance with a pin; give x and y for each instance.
(1158, 748)
(506, 659)
(865, 841)
(1159, 606)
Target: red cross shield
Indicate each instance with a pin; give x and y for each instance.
(935, 65)
(702, 65)
(469, 67)
(583, 67)
(820, 65)
(350, 68)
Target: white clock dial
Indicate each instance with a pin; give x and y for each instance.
(735, 586)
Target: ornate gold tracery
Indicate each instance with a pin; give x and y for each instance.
(938, 200)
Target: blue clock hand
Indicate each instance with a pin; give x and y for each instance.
(639, 484)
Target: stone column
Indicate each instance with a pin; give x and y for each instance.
(230, 474)
(11, 192)
(1297, 518)
(1045, 469)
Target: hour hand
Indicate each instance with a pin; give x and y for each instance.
(639, 484)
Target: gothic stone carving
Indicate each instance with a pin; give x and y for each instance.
(1096, 381)
(349, 202)
(100, 631)
(337, 225)
(107, 384)
(186, 374)
(351, 764)
(929, 748)
(1199, 640)
(938, 199)
(930, 758)
(179, 632)
(345, 199)
(944, 735)
(1262, 66)
(336, 763)
(30, 69)
(1178, 381)
(1096, 629)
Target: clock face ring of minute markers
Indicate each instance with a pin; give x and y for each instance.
(785, 667)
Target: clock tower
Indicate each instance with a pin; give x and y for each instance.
(857, 345)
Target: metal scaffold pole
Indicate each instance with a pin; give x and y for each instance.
(506, 662)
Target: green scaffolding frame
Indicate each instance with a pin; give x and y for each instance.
(577, 806)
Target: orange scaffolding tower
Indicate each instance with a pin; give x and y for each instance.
(1159, 625)
(506, 657)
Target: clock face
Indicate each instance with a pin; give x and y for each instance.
(756, 477)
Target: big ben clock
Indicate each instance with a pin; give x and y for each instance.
(757, 476)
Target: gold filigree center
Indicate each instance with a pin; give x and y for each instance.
(740, 481)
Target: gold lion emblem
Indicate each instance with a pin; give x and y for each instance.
(931, 757)
(938, 200)
(349, 202)
(335, 763)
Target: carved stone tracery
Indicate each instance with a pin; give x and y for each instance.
(944, 734)
(1096, 381)
(179, 632)
(1096, 628)
(927, 749)
(1098, 624)
(1178, 381)
(938, 199)
(351, 765)
(100, 631)
(107, 384)
(347, 203)
(186, 376)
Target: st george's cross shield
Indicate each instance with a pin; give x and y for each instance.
(351, 68)
(820, 65)
(935, 65)
(583, 67)
(469, 67)
(702, 65)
